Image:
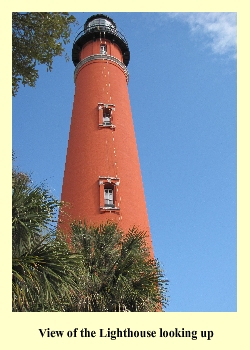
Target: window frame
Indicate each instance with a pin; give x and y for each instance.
(109, 183)
(106, 109)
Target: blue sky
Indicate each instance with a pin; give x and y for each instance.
(183, 96)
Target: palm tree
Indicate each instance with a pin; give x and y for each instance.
(116, 272)
(102, 269)
(42, 266)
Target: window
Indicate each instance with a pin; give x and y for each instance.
(108, 197)
(108, 193)
(106, 115)
(103, 49)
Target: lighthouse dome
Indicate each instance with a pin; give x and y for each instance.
(100, 22)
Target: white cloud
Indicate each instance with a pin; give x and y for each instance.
(220, 28)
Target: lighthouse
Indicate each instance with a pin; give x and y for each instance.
(102, 177)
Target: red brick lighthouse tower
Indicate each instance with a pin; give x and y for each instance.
(102, 179)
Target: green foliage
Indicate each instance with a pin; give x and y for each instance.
(42, 277)
(37, 37)
(117, 271)
(43, 268)
(33, 210)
